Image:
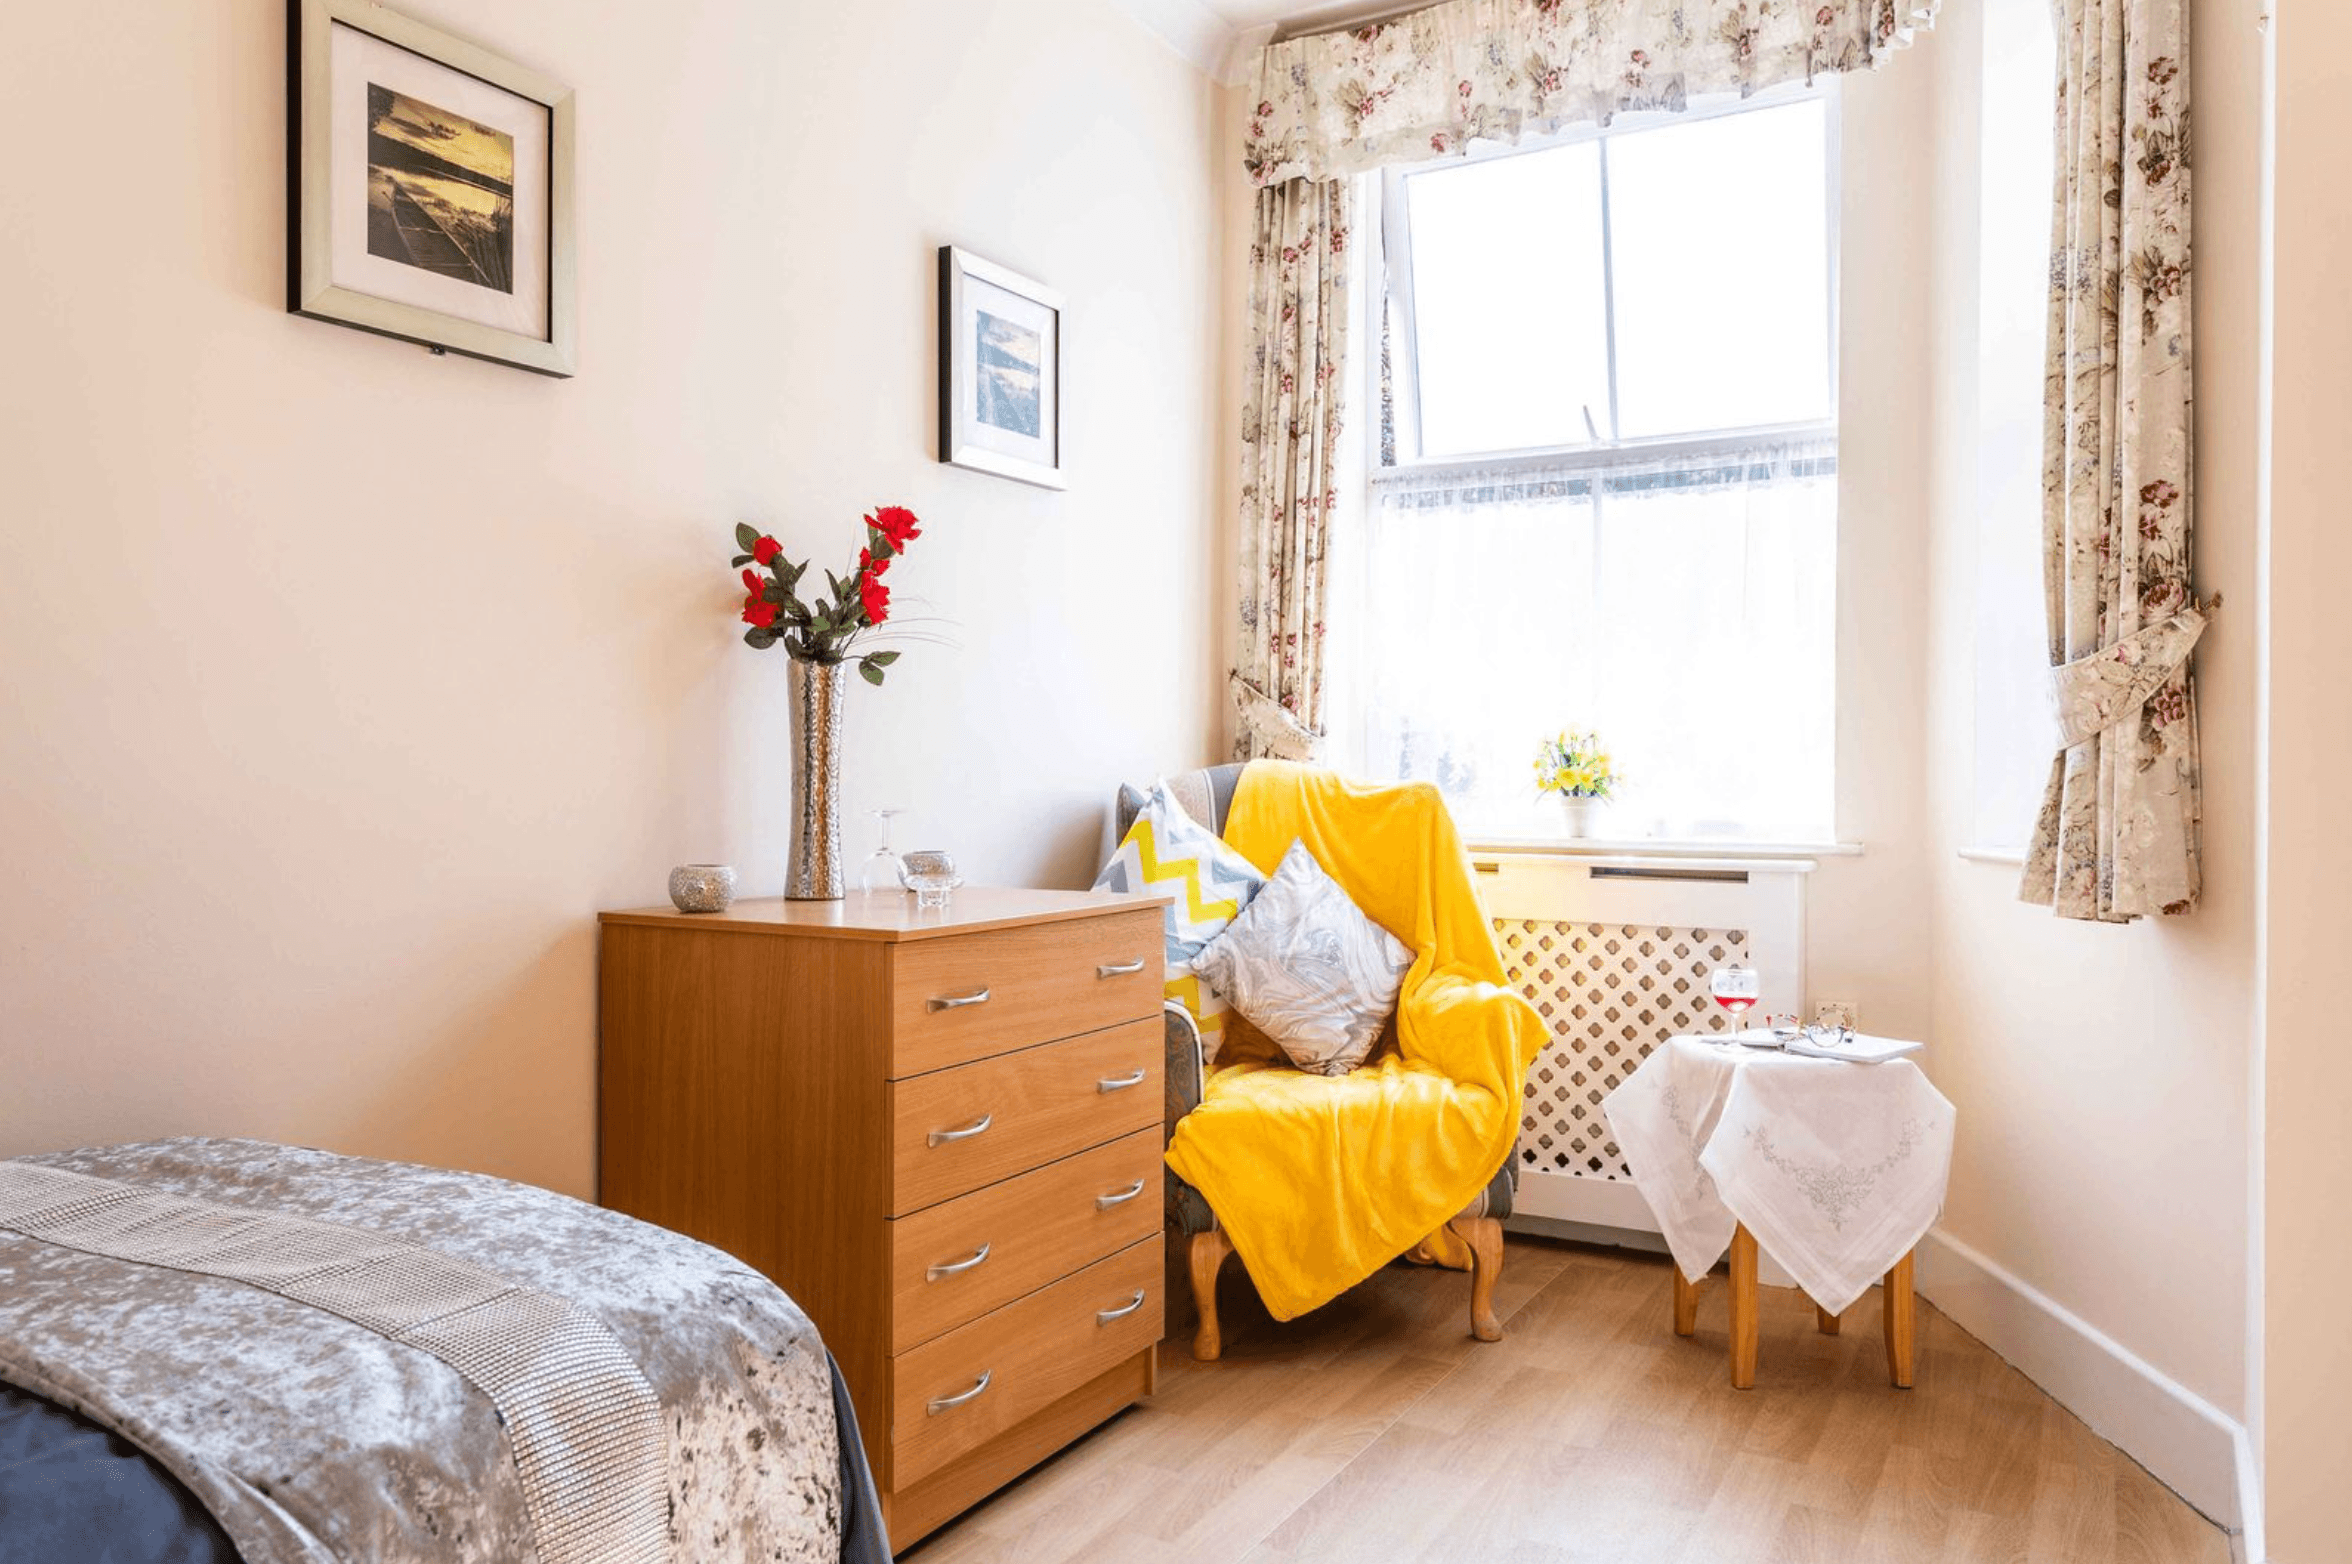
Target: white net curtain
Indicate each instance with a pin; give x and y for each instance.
(1491, 610)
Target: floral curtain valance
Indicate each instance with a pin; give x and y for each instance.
(1426, 85)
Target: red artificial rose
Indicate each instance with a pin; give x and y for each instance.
(765, 550)
(875, 597)
(896, 523)
(869, 565)
(757, 610)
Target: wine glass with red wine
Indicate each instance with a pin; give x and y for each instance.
(1736, 988)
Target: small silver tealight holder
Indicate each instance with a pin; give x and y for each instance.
(702, 887)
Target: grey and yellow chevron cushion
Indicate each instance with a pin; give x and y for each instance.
(1165, 850)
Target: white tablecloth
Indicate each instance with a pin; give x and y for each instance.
(1837, 1168)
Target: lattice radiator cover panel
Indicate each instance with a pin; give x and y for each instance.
(1611, 992)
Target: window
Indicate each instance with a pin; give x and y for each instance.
(1605, 489)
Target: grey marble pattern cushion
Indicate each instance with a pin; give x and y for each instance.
(1308, 969)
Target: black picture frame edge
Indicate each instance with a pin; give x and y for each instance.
(294, 157)
(946, 361)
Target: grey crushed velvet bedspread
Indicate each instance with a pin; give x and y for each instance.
(313, 1439)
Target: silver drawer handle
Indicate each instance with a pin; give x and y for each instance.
(1119, 1198)
(942, 1137)
(958, 1001)
(1121, 970)
(945, 1403)
(956, 1267)
(1105, 1316)
(1119, 1083)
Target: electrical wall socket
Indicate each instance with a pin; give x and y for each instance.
(1837, 1012)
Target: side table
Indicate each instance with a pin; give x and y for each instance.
(1837, 1167)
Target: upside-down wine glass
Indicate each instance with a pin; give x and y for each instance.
(883, 869)
(1736, 988)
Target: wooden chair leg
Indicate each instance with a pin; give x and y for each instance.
(1826, 1322)
(1743, 1308)
(1209, 1250)
(1484, 1235)
(1901, 1323)
(1686, 1304)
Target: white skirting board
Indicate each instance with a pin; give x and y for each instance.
(2192, 1446)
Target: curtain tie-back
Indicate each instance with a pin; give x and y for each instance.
(1275, 734)
(2094, 693)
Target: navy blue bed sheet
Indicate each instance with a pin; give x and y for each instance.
(72, 1493)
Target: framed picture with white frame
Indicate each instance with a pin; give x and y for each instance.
(1000, 370)
(429, 188)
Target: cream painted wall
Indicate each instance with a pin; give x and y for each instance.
(2101, 1073)
(1866, 937)
(344, 683)
(2307, 1381)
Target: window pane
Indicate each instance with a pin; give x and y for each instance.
(1509, 313)
(1718, 229)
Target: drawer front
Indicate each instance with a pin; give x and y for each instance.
(973, 995)
(966, 1256)
(955, 1130)
(1029, 1353)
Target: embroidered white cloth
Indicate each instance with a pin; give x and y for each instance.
(1838, 1169)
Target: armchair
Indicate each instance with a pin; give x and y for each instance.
(1208, 796)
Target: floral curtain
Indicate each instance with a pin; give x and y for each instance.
(2118, 833)
(1290, 426)
(1425, 85)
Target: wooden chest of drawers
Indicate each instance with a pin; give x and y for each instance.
(939, 1131)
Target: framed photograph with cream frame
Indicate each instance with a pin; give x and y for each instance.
(1000, 370)
(429, 188)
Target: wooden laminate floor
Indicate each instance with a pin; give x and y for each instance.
(1375, 1429)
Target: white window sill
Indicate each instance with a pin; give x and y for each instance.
(2014, 857)
(1638, 847)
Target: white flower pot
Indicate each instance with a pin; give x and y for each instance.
(1579, 813)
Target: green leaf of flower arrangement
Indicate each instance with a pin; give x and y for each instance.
(746, 536)
(870, 673)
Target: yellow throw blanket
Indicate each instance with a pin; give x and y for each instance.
(1319, 1181)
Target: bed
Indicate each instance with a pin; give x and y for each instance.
(233, 1352)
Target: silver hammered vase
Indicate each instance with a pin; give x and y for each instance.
(814, 870)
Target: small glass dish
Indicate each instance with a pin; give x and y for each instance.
(931, 875)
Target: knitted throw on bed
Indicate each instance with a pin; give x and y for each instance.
(350, 1360)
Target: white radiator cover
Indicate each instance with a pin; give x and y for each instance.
(1614, 953)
